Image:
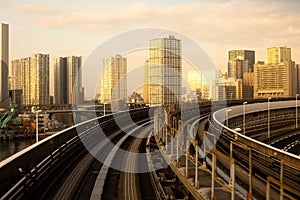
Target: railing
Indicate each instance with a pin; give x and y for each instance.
(218, 119)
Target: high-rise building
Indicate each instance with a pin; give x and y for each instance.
(31, 75)
(163, 71)
(278, 54)
(60, 81)
(20, 70)
(4, 56)
(68, 80)
(114, 82)
(240, 62)
(277, 77)
(75, 90)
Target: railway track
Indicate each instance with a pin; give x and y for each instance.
(64, 173)
(71, 188)
(126, 184)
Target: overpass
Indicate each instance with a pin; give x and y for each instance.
(30, 172)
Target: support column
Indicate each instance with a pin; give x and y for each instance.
(232, 178)
(196, 167)
(213, 175)
(281, 179)
(187, 160)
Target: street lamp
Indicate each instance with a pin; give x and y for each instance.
(227, 111)
(297, 111)
(34, 110)
(244, 117)
(269, 117)
(104, 105)
(103, 109)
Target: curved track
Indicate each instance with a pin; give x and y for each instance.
(108, 178)
(69, 172)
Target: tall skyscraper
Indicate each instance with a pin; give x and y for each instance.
(277, 77)
(278, 54)
(31, 75)
(240, 62)
(68, 80)
(4, 56)
(75, 90)
(20, 70)
(60, 81)
(163, 71)
(114, 82)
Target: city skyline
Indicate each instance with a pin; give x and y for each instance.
(278, 54)
(60, 29)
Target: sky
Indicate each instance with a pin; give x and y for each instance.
(77, 27)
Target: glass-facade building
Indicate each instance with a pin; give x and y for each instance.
(163, 72)
(240, 62)
(74, 80)
(60, 81)
(114, 82)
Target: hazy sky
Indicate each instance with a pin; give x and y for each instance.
(77, 27)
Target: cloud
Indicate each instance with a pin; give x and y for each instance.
(232, 17)
(223, 24)
(32, 9)
(76, 26)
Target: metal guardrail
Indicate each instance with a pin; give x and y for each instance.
(218, 119)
